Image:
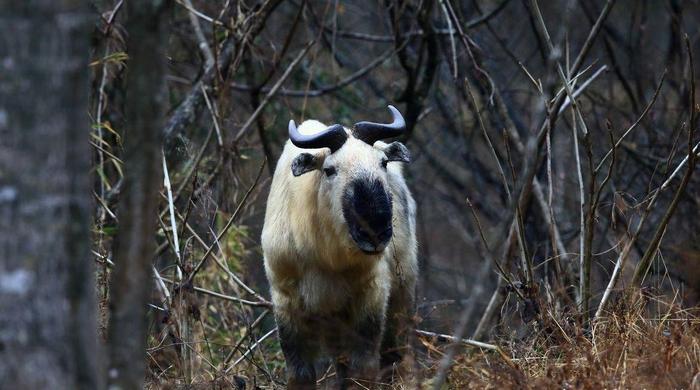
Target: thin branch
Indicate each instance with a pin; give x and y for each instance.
(634, 125)
(248, 332)
(452, 38)
(194, 21)
(492, 149)
(678, 168)
(583, 279)
(189, 109)
(161, 287)
(579, 90)
(223, 231)
(173, 220)
(419, 33)
(469, 342)
(188, 5)
(532, 161)
(645, 262)
(226, 297)
(272, 92)
(501, 272)
(323, 90)
(214, 116)
(232, 276)
(252, 347)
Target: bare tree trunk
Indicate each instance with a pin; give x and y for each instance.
(48, 337)
(146, 96)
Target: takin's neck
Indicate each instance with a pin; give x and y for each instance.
(328, 246)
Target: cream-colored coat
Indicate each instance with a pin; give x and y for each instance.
(313, 266)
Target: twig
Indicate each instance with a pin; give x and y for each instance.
(579, 90)
(592, 35)
(272, 92)
(194, 21)
(194, 165)
(586, 214)
(492, 259)
(105, 206)
(98, 120)
(532, 160)
(214, 116)
(188, 5)
(494, 154)
(105, 151)
(653, 246)
(643, 264)
(173, 221)
(106, 259)
(623, 256)
(583, 275)
(252, 347)
(613, 278)
(470, 342)
(223, 231)
(499, 293)
(548, 215)
(325, 89)
(634, 125)
(161, 287)
(168, 243)
(188, 110)
(219, 262)
(467, 42)
(112, 15)
(501, 172)
(249, 330)
(225, 297)
(417, 33)
(452, 38)
(678, 168)
(233, 276)
(446, 337)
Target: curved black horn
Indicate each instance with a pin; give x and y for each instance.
(370, 132)
(332, 137)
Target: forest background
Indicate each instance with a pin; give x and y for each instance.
(553, 148)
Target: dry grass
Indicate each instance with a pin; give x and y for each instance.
(648, 344)
(627, 349)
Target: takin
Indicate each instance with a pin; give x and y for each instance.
(339, 242)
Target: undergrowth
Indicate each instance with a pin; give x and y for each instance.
(643, 342)
(629, 348)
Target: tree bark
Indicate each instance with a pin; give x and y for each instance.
(48, 337)
(146, 96)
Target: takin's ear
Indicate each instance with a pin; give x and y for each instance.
(396, 151)
(305, 162)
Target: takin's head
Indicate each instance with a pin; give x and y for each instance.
(353, 182)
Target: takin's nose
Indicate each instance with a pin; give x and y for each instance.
(367, 211)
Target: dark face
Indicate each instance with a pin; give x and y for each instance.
(367, 211)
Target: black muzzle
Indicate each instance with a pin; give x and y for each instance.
(367, 211)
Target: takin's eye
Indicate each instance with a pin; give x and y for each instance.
(329, 171)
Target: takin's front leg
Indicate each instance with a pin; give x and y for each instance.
(300, 349)
(357, 366)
